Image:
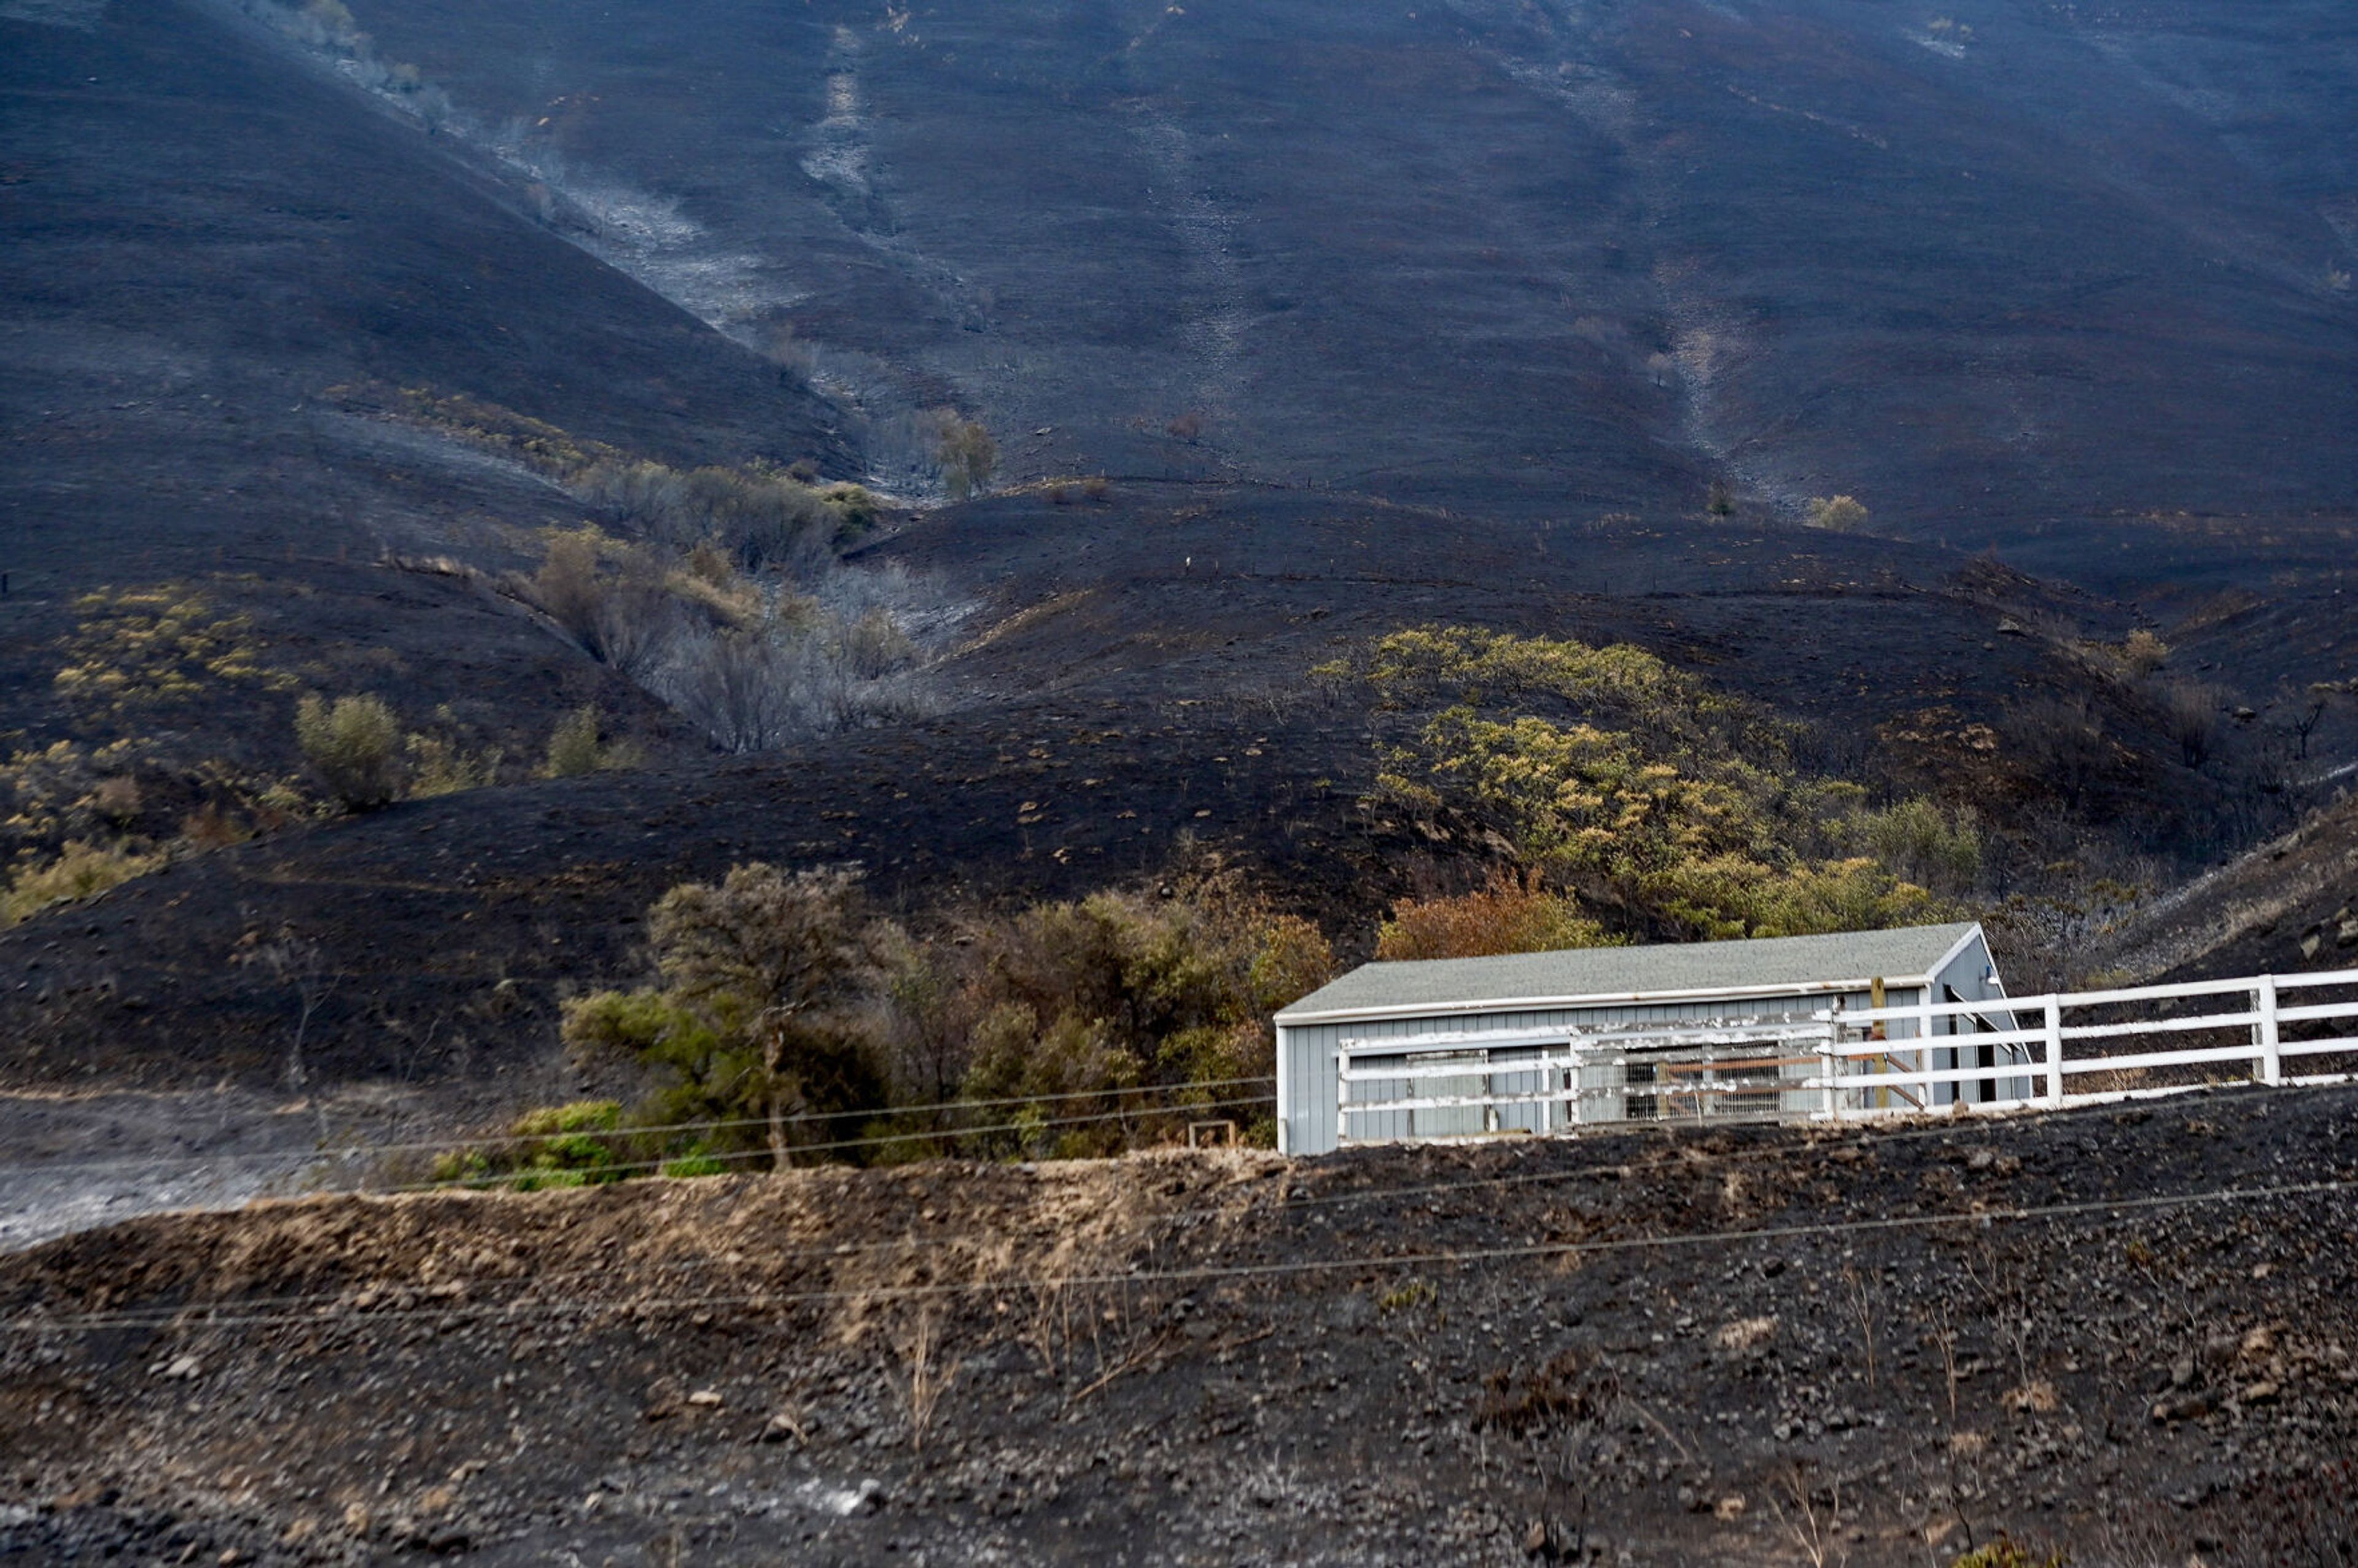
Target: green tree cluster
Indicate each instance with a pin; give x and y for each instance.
(1126, 988)
(787, 1021)
(1668, 809)
(761, 1018)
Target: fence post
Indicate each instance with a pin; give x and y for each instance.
(2271, 1039)
(2054, 1049)
(1342, 1095)
(1828, 1065)
(1924, 1037)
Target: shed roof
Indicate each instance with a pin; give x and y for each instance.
(1594, 975)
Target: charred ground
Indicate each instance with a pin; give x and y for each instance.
(1371, 316)
(2125, 1331)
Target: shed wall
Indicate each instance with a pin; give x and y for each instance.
(1307, 1066)
(1974, 977)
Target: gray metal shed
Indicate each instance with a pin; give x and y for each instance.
(1528, 1043)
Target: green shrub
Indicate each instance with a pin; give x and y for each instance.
(857, 510)
(2144, 652)
(1507, 914)
(573, 749)
(2007, 1552)
(1920, 842)
(80, 871)
(1630, 784)
(698, 1162)
(577, 1116)
(1122, 990)
(354, 746)
(438, 766)
(580, 1144)
(1838, 513)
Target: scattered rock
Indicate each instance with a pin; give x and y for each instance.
(1745, 1334)
(2037, 1396)
(2186, 1407)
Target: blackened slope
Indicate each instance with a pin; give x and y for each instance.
(2000, 281)
(2031, 277)
(1322, 243)
(2289, 905)
(203, 236)
(1382, 1357)
(1135, 680)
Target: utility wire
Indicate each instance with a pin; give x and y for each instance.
(1684, 1157)
(456, 1141)
(1682, 1160)
(1207, 1274)
(726, 1155)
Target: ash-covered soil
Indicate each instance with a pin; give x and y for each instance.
(1132, 688)
(1514, 258)
(2125, 1331)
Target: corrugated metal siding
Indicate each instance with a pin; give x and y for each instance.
(1306, 1059)
(1974, 977)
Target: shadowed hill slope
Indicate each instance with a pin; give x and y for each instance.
(2018, 271)
(203, 239)
(207, 246)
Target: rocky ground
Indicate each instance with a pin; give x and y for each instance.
(2132, 1333)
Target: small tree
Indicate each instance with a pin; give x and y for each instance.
(2307, 713)
(2191, 711)
(763, 1010)
(573, 748)
(354, 746)
(1838, 513)
(968, 455)
(1721, 501)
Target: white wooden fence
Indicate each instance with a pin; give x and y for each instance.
(2067, 1055)
(2044, 1050)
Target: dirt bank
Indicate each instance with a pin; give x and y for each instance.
(2125, 1331)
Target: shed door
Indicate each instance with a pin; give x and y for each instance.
(1449, 1122)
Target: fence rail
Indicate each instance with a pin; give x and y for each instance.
(2044, 1050)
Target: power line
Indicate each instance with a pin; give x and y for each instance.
(838, 1145)
(1946, 1130)
(1685, 1159)
(1208, 1273)
(457, 1141)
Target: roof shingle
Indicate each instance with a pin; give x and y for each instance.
(1610, 973)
